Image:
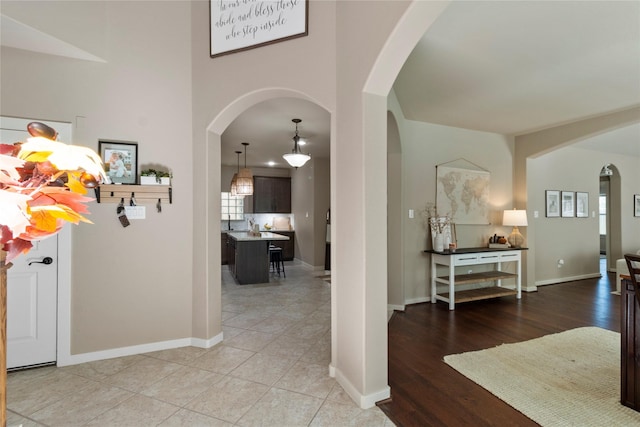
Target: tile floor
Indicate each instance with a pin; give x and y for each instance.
(271, 370)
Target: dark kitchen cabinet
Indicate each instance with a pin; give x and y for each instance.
(271, 194)
(223, 248)
(288, 246)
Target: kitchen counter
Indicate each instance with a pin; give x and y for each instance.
(245, 236)
(248, 255)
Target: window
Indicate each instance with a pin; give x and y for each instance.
(603, 214)
(232, 207)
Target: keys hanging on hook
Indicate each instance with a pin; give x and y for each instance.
(132, 202)
(159, 206)
(122, 215)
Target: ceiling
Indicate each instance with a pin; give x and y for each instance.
(268, 129)
(502, 67)
(517, 67)
(495, 66)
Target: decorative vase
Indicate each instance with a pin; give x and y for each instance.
(438, 243)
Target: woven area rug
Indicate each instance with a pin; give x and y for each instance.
(567, 379)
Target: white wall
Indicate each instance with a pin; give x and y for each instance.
(576, 240)
(130, 286)
(424, 146)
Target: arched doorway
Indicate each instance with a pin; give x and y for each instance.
(207, 307)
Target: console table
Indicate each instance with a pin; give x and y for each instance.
(469, 257)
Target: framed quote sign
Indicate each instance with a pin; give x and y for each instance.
(237, 25)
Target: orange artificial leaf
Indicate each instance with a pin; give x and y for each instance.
(60, 212)
(62, 196)
(74, 183)
(42, 219)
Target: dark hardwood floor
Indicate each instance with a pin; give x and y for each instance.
(427, 392)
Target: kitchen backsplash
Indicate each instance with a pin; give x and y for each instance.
(270, 219)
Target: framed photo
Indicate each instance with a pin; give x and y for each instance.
(582, 204)
(120, 160)
(568, 204)
(552, 203)
(636, 205)
(235, 25)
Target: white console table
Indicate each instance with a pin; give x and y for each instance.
(469, 257)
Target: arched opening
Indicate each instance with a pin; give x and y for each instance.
(207, 304)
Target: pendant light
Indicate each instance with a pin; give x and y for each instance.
(234, 180)
(296, 158)
(244, 182)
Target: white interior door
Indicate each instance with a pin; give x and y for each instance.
(32, 289)
(32, 293)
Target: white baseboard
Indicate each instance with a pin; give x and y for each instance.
(394, 307)
(417, 300)
(199, 342)
(364, 401)
(568, 279)
(76, 359)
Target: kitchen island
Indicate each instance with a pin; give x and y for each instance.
(248, 255)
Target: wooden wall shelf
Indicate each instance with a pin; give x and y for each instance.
(114, 193)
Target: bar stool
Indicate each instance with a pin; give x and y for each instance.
(275, 258)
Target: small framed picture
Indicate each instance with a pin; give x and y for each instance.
(552, 203)
(582, 204)
(568, 204)
(636, 205)
(120, 160)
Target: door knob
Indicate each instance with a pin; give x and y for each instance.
(46, 260)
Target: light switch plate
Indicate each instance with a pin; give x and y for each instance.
(136, 212)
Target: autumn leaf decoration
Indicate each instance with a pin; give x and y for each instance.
(43, 184)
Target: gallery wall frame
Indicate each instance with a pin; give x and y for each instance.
(235, 26)
(568, 204)
(120, 160)
(582, 204)
(552, 202)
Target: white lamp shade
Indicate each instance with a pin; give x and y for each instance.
(515, 218)
(296, 159)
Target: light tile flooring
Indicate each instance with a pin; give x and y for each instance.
(271, 370)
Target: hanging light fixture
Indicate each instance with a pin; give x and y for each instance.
(296, 158)
(234, 180)
(244, 181)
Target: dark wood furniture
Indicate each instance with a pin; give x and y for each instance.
(248, 256)
(288, 246)
(271, 194)
(630, 335)
(223, 248)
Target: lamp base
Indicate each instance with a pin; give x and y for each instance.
(515, 239)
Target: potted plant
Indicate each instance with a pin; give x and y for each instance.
(155, 177)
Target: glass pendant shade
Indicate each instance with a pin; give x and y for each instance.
(234, 185)
(244, 180)
(234, 181)
(296, 158)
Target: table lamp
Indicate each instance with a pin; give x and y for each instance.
(515, 218)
